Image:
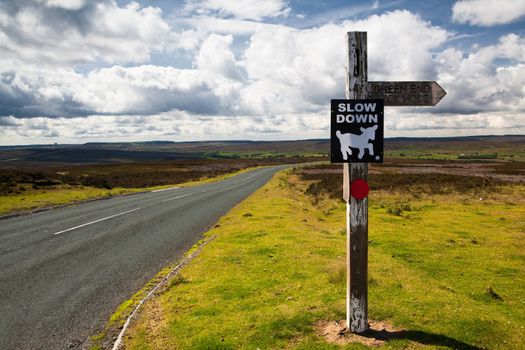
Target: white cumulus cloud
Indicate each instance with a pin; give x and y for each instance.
(421, 123)
(101, 31)
(145, 89)
(292, 70)
(246, 9)
(266, 80)
(487, 12)
(216, 56)
(476, 82)
(65, 4)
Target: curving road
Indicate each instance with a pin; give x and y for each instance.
(64, 271)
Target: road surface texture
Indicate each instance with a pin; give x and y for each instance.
(63, 272)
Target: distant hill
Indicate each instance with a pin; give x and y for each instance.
(83, 155)
(108, 152)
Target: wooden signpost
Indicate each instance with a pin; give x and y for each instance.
(355, 176)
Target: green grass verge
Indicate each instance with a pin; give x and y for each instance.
(448, 269)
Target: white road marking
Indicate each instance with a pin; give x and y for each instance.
(165, 189)
(171, 199)
(94, 222)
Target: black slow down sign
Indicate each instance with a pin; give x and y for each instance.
(356, 131)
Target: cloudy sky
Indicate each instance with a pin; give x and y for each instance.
(74, 71)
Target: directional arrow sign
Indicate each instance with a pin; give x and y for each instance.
(406, 93)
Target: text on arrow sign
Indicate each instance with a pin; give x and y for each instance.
(406, 93)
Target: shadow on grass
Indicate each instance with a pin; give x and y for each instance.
(419, 337)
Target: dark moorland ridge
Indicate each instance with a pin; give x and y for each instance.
(246, 145)
(106, 152)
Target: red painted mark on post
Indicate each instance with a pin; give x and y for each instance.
(359, 189)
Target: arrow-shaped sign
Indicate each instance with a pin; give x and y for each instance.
(406, 93)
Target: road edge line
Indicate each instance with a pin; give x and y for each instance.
(176, 269)
(165, 189)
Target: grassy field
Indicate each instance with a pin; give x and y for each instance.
(482, 147)
(446, 269)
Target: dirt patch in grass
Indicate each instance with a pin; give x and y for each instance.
(336, 332)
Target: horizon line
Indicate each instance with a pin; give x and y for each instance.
(254, 141)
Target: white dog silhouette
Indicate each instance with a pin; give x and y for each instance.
(357, 141)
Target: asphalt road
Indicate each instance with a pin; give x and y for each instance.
(63, 272)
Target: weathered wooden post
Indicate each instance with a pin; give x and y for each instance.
(356, 210)
(357, 126)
